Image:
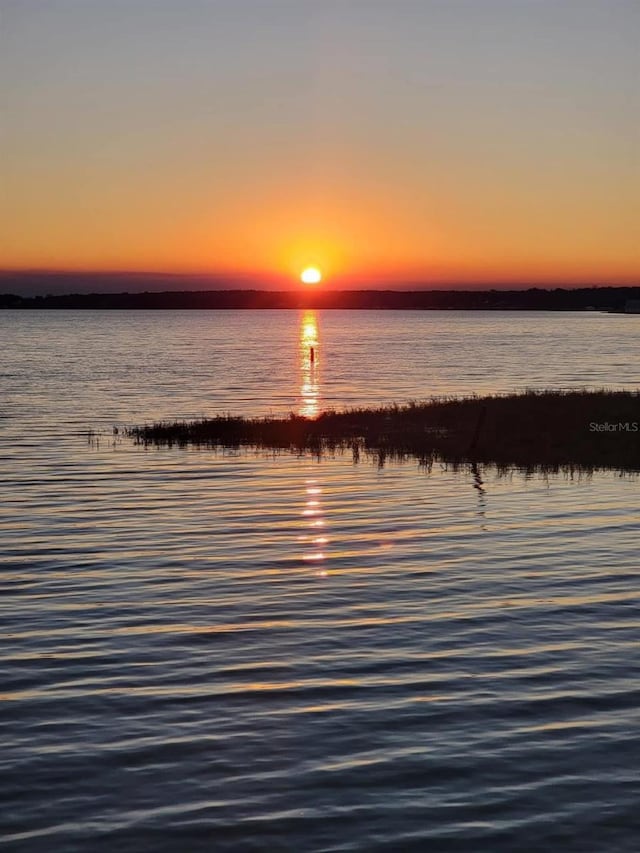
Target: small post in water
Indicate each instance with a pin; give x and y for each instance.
(312, 354)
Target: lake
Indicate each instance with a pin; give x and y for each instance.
(224, 651)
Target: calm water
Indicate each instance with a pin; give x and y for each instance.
(211, 652)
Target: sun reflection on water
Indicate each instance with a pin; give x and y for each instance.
(309, 366)
(316, 540)
(315, 552)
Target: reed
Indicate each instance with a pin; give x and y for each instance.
(549, 430)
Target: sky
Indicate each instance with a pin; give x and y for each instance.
(385, 141)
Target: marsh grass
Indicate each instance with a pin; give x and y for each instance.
(536, 430)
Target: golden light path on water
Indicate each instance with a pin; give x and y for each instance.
(309, 366)
(315, 540)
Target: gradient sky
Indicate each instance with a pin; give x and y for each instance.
(406, 140)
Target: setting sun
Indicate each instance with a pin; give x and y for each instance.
(311, 275)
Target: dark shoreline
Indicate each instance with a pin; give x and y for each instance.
(609, 299)
(546, 430)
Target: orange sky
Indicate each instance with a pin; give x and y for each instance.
(442, 144)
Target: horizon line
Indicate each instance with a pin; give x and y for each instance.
(273, 280)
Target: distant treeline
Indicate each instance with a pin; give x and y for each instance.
(533, 299)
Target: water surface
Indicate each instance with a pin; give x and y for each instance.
(218, 651)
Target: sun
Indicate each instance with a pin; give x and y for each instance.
(311, 275)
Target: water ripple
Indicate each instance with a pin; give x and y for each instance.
(206, 651)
